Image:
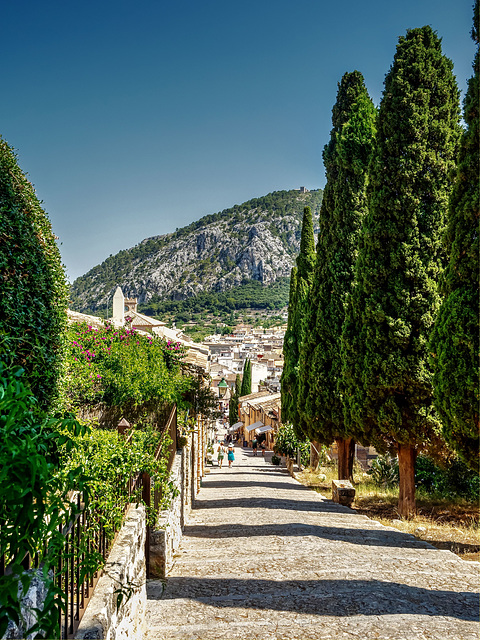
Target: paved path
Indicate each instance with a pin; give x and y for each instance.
(264, 557)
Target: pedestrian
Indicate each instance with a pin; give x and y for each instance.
(220, 455)
(230, 456)
(254, 446)
(262, 447)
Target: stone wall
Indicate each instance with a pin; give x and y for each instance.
(187, 471)
(125, 573)
(166, 536)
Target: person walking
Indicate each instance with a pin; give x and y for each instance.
(220, 455)
(230, 455)
(262, 447)
(254, 446)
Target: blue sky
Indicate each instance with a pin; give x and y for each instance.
(133, 119)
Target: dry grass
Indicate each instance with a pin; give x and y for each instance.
(446, 524)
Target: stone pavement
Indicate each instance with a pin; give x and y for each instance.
(264, 557)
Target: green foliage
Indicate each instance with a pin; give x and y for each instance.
(395, 297)
(120, 368)
(299, 292)
(199, 400)
(41, 461)
(109, 460)
(455, 340)
(451, 480)
(290, 354)
(233, 404)
(246, 387)
(384, 471)
(287, 443)
(33, 495)
(346, 158)
(251, 295)
(33, 290)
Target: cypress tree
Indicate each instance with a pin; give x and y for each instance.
(346, 158)
(246, 388)
(395, 298)
(238, 385)
(33, 288)
(455, 340)
(299, 290)
(287, 379)
(249, 378)
(233, 404)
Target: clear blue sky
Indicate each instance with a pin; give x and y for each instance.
(135, 118)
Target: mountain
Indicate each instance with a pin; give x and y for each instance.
(256, 241)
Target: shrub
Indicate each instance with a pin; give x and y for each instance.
(384, 471)
(33, 289)
(122, 369)
(33, 495)
(450, 480)
(287, 443)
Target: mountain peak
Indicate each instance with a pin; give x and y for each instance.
(258, 240)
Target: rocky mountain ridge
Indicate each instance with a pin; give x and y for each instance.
(258, 240)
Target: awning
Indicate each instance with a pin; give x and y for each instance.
(263, 429)
(236, 425)
(255, 425)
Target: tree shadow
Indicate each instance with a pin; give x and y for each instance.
(228, 483)
(338, 598)
(317, 505)
(360, 536)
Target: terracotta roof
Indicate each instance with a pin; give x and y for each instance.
(263, 400)
(252, 396)
(145, 321)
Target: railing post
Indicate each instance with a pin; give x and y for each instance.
(146, 493)
(175, 439)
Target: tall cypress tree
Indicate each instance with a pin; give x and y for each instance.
(287, 380)
(238, 385)
(395, 297)
(455, 340)
(249, 377)
(346, 158)
(299, 290)
(33, 287)
(233, 404)
(246, 388)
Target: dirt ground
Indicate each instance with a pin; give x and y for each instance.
(454, 528)
(446, 525)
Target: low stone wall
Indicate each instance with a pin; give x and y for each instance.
(165, 538)
(124, 572)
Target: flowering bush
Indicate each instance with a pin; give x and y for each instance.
(121, 368)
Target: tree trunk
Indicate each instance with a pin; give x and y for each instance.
(406, 466)
(315, 448)
(346, 454)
